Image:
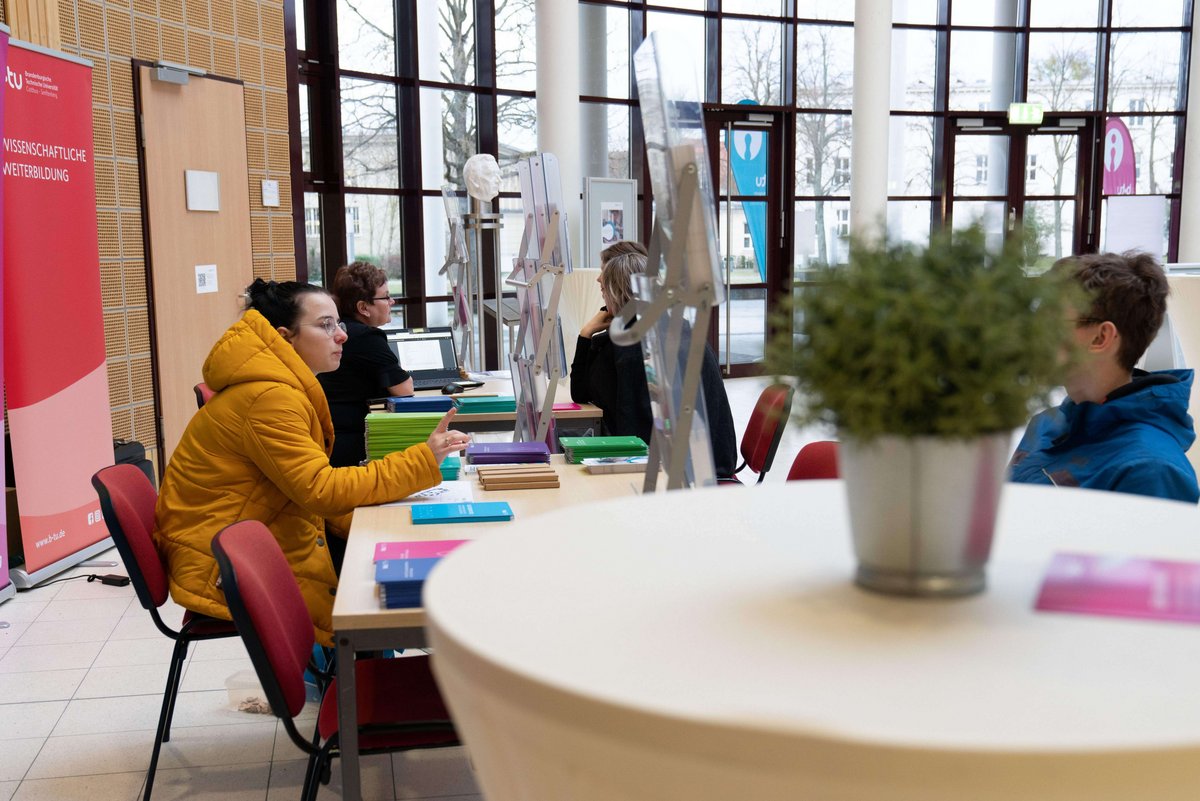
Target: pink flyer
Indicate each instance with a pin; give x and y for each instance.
(1094, 584)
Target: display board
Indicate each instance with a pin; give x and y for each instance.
(56, 379)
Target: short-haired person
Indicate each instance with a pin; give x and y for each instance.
(1120, 429)
(614, 376)
(369, 367)
(259, 450)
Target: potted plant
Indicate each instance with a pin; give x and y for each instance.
(925, 360)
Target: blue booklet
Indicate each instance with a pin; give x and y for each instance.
(485, 512)
(403, 571)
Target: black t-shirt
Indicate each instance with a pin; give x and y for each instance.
(369, 366)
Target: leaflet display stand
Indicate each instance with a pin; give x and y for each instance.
(457, 269)
(669, 313)
(539, 358)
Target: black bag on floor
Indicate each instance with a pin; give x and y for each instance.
(127, 451)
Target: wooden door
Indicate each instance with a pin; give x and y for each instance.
(200, 125)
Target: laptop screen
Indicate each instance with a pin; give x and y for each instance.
(424, 350)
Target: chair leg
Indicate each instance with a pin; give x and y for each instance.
(163, 733)
(178, 657)
(312, 774)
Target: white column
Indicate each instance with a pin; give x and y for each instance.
(869, 118)
(558, 100)
(1189, 207)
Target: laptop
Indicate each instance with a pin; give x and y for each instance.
(427, 354)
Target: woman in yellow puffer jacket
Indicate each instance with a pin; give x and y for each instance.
(259, 450)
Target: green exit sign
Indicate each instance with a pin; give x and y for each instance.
(1025, 113)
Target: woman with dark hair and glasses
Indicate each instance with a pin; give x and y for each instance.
(369, 367)
(259, 450)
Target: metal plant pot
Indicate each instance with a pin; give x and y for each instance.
(922, 511)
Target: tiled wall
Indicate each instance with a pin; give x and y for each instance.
(241, 39)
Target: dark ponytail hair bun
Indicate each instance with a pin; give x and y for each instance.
(279, 301)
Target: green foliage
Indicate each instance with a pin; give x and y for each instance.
(951, 341)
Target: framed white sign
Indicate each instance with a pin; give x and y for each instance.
(610, 214)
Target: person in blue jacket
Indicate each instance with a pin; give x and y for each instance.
(1120, 429)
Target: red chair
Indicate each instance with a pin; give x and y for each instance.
(203, 394)
(815, 460)
(763, 432)
(127, 500)
(399, 706)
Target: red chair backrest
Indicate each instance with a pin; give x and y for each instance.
(203, 394)
(266, 604)
(127, 500)
(761, 439)
(815, 460)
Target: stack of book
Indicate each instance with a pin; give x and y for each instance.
(388, 433)
(576, 449)
(428, 514)
(483, 404)
(508, 453)
(517, 476)
(424, 403)
(402, 567)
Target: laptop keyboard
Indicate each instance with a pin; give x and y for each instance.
(430, 383)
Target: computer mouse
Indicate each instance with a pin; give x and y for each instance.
(453, 388)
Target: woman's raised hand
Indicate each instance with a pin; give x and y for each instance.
(444, 441)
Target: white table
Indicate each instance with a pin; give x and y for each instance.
(710, 645)
(359, 623)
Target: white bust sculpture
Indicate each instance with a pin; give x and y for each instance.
(482, 174)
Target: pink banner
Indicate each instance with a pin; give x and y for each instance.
(1120, 162)
(4, 581)
(56, 380)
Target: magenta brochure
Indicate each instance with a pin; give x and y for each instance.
(1122, 586)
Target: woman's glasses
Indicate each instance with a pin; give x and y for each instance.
(329, 326)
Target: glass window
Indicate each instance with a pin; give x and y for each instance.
(912, 155)
(369, 147)
(1139, 13)
(435, 230)
(448, 135)
(982, 69)
(312, 236)
(822, 227)
(1064, 13)
(1145, 66)
(516, 63)
(980, 165)
(825, 9)
(446, 36)
(686, 33)
(604, 49)
(1051, 164)
(822, 154)
(366, 37)
(605, 140)
(909, 221)
(301, 33)
(916, 12)
(305, 131)
(766, 8)
(984, 13)
(1052, 223)
(695, 5)
(824, 66)
(752, 62)
(1154, 153)
(914, 69)
(517, 127)
(373, 234)
(1062, 71)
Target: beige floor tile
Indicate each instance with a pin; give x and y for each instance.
(218, 745)
(41, 685)
(212, 708)
(92, 754)
(10, 635)
(26, 720)
(210, 650)
(106, 609)
(17, 755)
(102, 715)
(287, 778)
(213, 783)
(135, 627)
(7, 789)
(104, 682)
(433, 772)
(26, 612)
(213, 674)
(117, 653)
(54, 632)
(66, 656)
(104, 787)
(86, 590)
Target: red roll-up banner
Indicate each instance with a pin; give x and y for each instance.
(54, 355)
(4, 581)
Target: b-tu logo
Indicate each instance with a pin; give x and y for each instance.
(13, 79)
